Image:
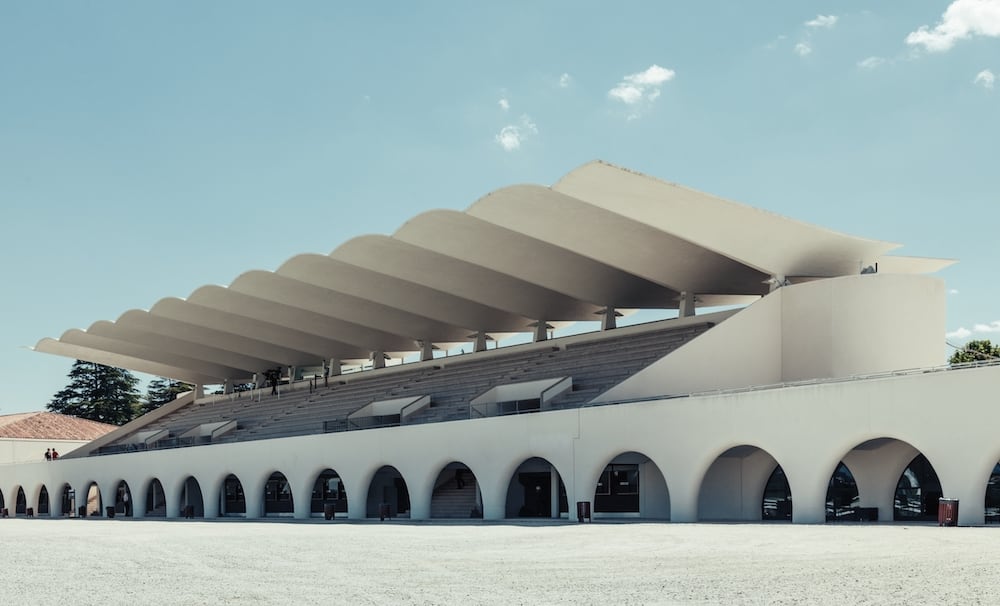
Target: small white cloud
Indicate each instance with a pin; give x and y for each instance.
(953, 291)
(961, 333)
(962, 19)
(826, 21)
(964, 333)
(991, 327)
(504, 103)
(565, 80)
(802, 49)
(511, 136)
(774, 43)
(871, 62)
(641, 88)
(985, 78)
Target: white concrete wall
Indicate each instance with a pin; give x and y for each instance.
(948, 416)
(827, 328)
(13, 450)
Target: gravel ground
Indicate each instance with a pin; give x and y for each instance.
(113, 562)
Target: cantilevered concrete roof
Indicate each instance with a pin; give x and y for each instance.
(601, 238)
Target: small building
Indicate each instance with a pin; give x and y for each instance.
(25, 437)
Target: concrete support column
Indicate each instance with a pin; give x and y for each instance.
(137, 503)
(302, 500)
(479, 343)
(541, 330)
(357, 501)
(686, 307)
(378, 359)
(609, 318)
(494, 498)
(334, 366)
(420, 500)
(809, 500)
(227, 386)
(174, 505)
(684, 500)
(426, 350)
(211, 499)
(253, 493)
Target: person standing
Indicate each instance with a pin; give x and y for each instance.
(48, 454)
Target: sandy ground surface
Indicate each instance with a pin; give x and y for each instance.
(237, 562)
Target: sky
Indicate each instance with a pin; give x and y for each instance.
(150, 148)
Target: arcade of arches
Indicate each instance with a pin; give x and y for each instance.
(743, 483)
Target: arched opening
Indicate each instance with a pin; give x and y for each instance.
(842, 498)
(233, 501)
(68, 500)
(875, 467)
(631, 485)
(917, 492)
(192, 504)
(328, 490)
(277, 496)
(456, 493)
(388, 495)
(992, 496)
(43, 502)
(735, 487)
(21, 505)
(123, 500)
(156, 500)
(777, 501)
(536, 491)
(93, 506)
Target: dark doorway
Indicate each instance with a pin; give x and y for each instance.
(328, 489)
(917, 492)
(842, 499)
(277, 495)
(993, 496)
(21, 506)
(156, 500)
(43, 501)
(192, 505)
(777, 502)
(618, 489)
(233, 500)
(123, 500)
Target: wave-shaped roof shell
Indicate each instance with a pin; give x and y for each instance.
(602, 237)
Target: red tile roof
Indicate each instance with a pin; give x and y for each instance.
(50, 426)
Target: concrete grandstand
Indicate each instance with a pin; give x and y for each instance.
(797, 362)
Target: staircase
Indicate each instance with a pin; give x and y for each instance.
(450, 501)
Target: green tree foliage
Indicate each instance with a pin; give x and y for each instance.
(161, 391)
(99, 393)
(976, 351)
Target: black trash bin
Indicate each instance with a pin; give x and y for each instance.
(947, 512)
(110, 511)
(189, 512)
(383, 512)
(328, 511)
(81, 511)
(583, 511)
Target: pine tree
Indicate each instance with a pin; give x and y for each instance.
(99, 393)
(161, 391)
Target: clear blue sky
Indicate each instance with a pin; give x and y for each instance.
(148, 148)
